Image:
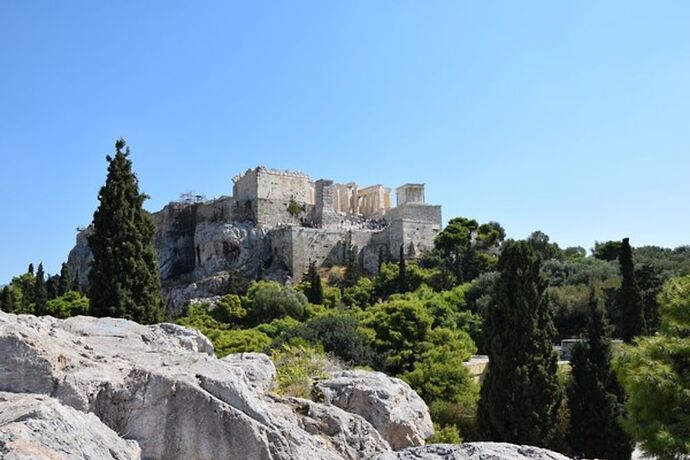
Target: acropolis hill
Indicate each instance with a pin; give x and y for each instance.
(280, 221)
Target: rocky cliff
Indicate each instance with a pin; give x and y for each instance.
(109, 388)
(198, 246)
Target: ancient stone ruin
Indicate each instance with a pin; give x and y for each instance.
(277, 222)
(318, 220)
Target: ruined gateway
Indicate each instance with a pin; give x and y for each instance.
(279, 221)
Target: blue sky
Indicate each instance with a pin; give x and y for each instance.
(568, 117)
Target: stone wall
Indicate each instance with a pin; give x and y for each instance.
(416, 212)
(271, 184)
(274, 213)
(295, 247)
(410, 193)
(285, 186)
(244, 186)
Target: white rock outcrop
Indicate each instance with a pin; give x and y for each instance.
(474, 451)
(389, 404)
(39, 427)
(162, 387)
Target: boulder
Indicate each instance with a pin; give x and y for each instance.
(162, 387)
(473, 451)
(39, 427)
(389, 404)
(349, 434)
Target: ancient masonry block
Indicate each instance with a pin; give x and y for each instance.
(319, 220)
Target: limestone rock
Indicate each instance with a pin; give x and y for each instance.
(39, 427)
(349, 434)
(259, 370)
(389, 404)
(160, 386)
(473, 451)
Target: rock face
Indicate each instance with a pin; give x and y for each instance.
(473, 451)
(161, 387)
(38, 427)
(197, 244)
(389, 404)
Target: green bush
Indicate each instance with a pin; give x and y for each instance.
(360, 294)
(448, 434)
(239, 341)
(297, 368)
(268, 300)
(72, 303)
(337, 335)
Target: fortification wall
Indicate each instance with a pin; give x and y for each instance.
(416, 212)
(417, 237)
(276, 213)
(295, 247)
(284, 186)
(244, 186)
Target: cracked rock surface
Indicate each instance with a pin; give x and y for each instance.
(162, 387)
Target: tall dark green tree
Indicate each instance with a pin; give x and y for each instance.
(521, 397)
(63, 284)
(40, 292)
(315, 291)
(632, 321)
(124, 281)
(353, 270)
(6, 300)
(51, 286)
(595, 398)
(402, 271)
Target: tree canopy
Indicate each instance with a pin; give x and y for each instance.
(124, 281)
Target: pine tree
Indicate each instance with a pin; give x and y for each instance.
(124, 280)
(595, 398)
(40, 292)
(63, 284)
(632, 321)
(521, 397)
(315, 292)
(402, 271)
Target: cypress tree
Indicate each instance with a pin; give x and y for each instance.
(382, 258)
(402, 272)
(30, 269)
(595, 398)
(63, 284)
(315, 292)
(520, 397)
(40, 292)
(632, 321)
(74, 284)
(51, 286)
(353, 271)
(124, 281)
(6, 300)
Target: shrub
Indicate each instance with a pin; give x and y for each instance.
(72, 303)
(297, 368)
(268, 300)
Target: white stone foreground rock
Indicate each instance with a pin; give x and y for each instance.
(388, 403)
(37, 426)
(473, 451)
(161, 387)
